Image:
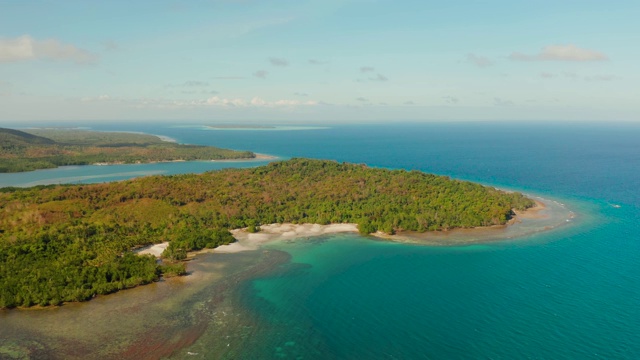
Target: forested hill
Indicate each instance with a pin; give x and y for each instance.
(14, 138)
(49, 148)
(66, 243)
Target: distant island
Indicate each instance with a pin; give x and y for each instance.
(35, 149)
(248, 127)
(72, 242)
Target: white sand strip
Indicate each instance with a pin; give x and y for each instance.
(252, 241)
(155, 250)
(248, 241)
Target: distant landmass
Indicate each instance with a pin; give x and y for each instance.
(229, 126)
(35, 149)
(72, 242)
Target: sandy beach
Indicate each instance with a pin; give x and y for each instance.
(272, 232)
(545, 215)
(265, 156)
(252, 241)
(258, 157)
(531, 213)
(155, 250)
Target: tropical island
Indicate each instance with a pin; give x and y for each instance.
(35, 149)
(67, 243)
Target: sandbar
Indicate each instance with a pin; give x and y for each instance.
(258, 157)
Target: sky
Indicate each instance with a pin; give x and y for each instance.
(319, 61)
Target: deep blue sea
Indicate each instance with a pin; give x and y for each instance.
(570, 293)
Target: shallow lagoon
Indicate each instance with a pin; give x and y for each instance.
(106, 173)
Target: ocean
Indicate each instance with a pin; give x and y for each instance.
(568, 293)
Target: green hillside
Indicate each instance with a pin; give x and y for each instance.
(49, 148)
(69, 243)
(10, 138)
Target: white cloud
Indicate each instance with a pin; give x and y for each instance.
(217, 101)
(547, 75)
(288, 103)
(278, 62)
(189, 83)
(478, 60)
(25, 48)
(195, 83)
(317, 62)
(214, 101)
(362, 99)
(257, 102)
(379, 77)
(561, 53)
(370, 69)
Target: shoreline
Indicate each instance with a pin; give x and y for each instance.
(258, 157)
(274, 232)
(530, 213)
(228, 268)
(246, 241)
(547, 215)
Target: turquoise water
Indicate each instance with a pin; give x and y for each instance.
(571, 293)
(532, 298)
(98, 173)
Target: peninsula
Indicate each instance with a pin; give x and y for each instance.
(72, 242)
(35, 149)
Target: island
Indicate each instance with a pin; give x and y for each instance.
(35, 149)
(63, 243)
(240, 127)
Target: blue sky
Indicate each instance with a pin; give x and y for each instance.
(319, 61)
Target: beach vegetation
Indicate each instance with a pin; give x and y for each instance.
(252, 227)
(73, 242)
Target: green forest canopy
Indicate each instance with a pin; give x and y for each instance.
(49, 148)
(71, 242)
